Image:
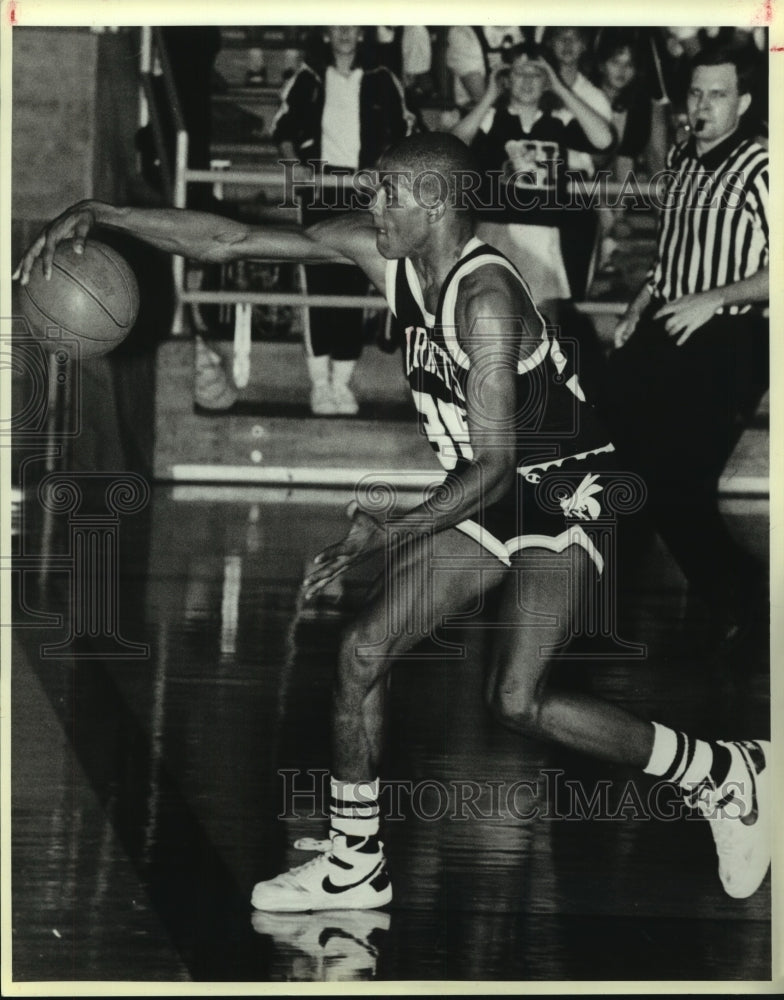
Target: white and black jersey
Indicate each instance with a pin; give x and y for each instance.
(713, 227)
(554, 425)
(552, 416)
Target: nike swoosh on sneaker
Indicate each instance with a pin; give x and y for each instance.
(329, 886)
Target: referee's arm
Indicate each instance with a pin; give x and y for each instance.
(690, 312)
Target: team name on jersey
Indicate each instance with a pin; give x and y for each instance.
(425, 354)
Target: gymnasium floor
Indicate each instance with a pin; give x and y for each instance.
(146, 790)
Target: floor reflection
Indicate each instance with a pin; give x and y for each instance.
(332, 946)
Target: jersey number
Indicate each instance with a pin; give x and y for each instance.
(446, 428)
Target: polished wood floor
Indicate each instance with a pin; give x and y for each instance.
(147, 783)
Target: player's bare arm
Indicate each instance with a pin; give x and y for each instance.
(212, 238)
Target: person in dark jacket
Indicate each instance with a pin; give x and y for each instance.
(336, 110)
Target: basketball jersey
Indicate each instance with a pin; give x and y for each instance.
(552, 419)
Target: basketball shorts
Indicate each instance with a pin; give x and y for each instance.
(555, 504)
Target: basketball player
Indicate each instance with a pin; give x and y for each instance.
(498, 402)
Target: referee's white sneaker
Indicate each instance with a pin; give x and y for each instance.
(739, 816)
(338, 878)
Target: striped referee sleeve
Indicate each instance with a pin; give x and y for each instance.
(713, 228)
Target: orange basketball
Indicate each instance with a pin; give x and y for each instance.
(92, 297)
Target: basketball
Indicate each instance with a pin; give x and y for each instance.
(92, 297)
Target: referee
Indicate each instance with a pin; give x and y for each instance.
(692, 363)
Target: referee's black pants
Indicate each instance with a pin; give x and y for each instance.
(675, 414)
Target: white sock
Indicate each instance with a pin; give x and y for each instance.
(353, 808)
(665, 746)
(679, 758)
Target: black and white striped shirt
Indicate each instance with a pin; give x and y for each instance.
(713, 227)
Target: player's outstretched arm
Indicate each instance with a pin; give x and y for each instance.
(210, 238)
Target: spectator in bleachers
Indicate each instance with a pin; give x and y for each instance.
(334, 109)
(637, 118)
(569, 52)
(472, 54)
(511, 132)
(620, 74)
(567, 48)
(407, 51)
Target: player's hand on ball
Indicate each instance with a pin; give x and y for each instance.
(365, 536)
(75, 223)
(685, 315)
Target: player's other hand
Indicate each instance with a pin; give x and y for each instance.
(75, 223)
(365, 536)
(685, 315)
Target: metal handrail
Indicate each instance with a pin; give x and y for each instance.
(154, 120)
(347, 301)
(181, 134)
(168, 80)
(175, 180)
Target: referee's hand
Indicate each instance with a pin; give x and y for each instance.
(685, 315)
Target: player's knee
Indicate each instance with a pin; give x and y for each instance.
(361, 660)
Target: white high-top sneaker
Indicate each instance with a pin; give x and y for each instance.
(338, 878)
(322, 402)
(738, 813)
(345, 401)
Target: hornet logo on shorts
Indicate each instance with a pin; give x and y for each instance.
(582, 504)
